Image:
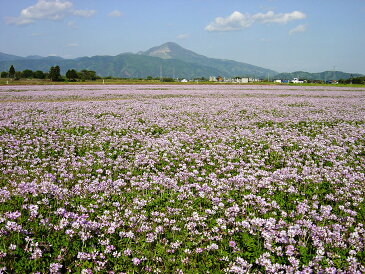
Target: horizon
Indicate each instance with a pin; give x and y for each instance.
(281, 35)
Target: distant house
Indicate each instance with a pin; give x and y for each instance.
(184, 81)
(297, 81)
(240, 80)
(277, 81)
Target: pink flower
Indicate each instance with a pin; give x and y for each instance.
(136, 261)
(232, 244)
(127, 252)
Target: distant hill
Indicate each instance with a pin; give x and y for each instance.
(323, 76)
(228, 68)
(9, 57)
(123, 65)
(169, 58)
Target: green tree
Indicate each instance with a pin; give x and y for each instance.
(39, 74)
(168, 79)
(55, 73)
(358, 80)
(27, 73)
(71, 75)
(11, 71)
(17, 75)
(4, 74)
(87, 75)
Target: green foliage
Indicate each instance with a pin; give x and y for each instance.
(27, 73)
(167, 79)
(39, 74)
(17, 75)
(306, 253)
(72, 75)
(87, 75)
(11, 71)
(55, 73)
(251, 246)
(357, 80)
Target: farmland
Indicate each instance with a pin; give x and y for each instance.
(182, 179)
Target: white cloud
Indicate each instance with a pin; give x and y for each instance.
(47, 10)
(115, 13)
(182, 36)
(235, 21)
(281, 18)
(300, 28)
(238, 21)
(72, 45)
(18, 21)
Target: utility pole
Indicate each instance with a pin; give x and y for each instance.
(334, 73)
(160, 72)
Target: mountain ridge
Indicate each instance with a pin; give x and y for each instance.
(229, 68)
(166, 60)
(171, 60)
(325, 75)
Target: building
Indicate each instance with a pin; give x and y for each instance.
(297, 81)
(240, 80)
(331, 82)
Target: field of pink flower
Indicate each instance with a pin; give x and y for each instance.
(182, 179)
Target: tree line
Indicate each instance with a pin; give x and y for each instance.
(353, 80)
(54, 74)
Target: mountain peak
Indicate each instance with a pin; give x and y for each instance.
(171, 44)
(169, 50)
(163, 51)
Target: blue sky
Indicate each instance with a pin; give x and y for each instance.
(283, 35)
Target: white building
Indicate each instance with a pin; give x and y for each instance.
(240, 80)
(297, 81)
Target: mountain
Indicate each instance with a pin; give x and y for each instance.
(323, 76)
(34, 57)
(227, 67)
(124, 65)
(169, 59)
(9, 57)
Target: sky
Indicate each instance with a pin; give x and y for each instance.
(282, 35)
